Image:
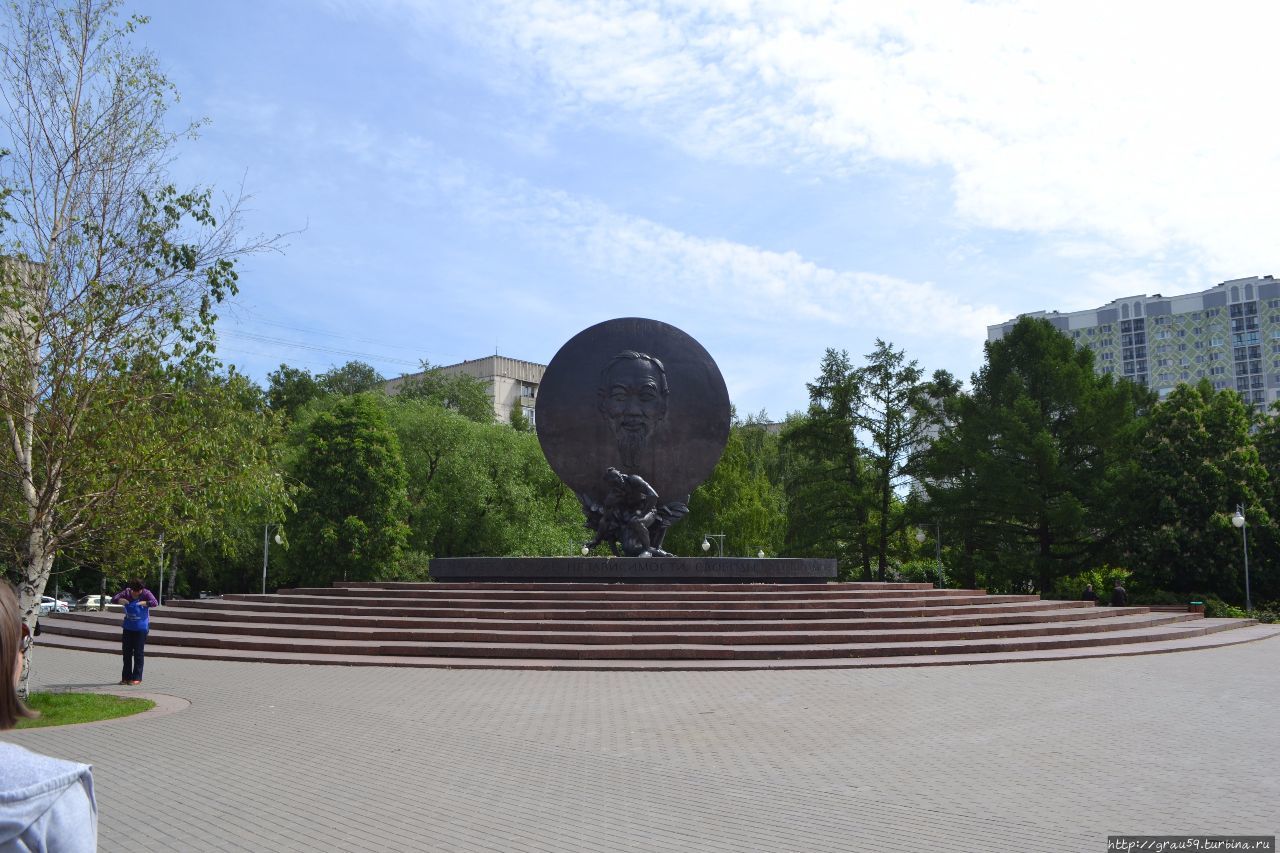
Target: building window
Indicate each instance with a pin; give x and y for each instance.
(528, 413)
(1217, 342)
(1161, 321)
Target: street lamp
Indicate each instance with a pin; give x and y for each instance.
(706, 543)
(937, 538)
(266, 543)
(1239, 521)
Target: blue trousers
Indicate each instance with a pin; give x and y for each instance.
(132, 644)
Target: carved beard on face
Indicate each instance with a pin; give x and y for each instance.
(632, 438)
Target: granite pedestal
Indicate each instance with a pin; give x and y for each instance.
(636, 569)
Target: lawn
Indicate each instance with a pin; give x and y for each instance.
(61, 709)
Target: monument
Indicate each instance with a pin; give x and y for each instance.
(632, 415)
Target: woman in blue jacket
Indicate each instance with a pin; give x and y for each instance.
(45, 803)
(138, 602)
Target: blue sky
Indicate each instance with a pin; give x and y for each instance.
(774, 178)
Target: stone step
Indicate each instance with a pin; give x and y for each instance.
(171, 631)
(643, 626)
(606, 586)
(763, 603)
(607, 595)
(851, 645)
(1245, 631)
(968, 617)
(988, 604)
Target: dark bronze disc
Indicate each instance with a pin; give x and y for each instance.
(637, 395)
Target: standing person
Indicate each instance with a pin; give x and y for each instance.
(1089, 594)
(45, 803)
(1119, 598)
(138, 602)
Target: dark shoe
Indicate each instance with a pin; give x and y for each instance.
(124, 681)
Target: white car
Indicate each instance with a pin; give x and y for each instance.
(93, 602)
(49, 604)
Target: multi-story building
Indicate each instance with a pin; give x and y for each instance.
(511, 382)
(1228, 334)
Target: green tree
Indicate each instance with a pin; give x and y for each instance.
(519, 422)
(464, 394)
(896, 411)
(354, 377)
(828, 506)
(109, 282)
(480, 489)
(1042, 430)
(352, 507)
(739, 499)
(291, 388)
(1192, 462)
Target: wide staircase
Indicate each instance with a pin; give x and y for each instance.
(648, 626)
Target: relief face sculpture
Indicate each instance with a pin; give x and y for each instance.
(632, 415)
(633, 398)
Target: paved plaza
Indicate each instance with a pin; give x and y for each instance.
(1050, 756)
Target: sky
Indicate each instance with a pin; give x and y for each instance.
(775, 178)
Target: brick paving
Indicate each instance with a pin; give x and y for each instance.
(1049, 756)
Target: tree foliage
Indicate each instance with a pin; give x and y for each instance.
(1192, 463)
(826, 473)
(743, 498)
(354, 377)
(896, 410)
(466, 395)
(108, 285)
(1027, 462)
(479, 489)
(352, 507)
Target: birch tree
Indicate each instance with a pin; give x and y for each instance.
(108, 282)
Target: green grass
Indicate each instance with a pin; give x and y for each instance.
(62, 709)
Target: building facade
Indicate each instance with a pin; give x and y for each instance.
(511, 382)
(1228, 334)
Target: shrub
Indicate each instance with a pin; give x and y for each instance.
(1071, 588)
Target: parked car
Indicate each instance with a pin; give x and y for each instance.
(94, 602)
(49, 604)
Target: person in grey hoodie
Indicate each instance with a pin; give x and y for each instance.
(46, 804)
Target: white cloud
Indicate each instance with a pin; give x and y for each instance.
(755, 286)
(1146, 124)
(646, 267)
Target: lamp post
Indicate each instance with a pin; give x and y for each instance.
(937, 540)
(706, 543)
(1239, 521)
(266, 544)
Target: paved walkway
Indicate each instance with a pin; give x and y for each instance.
(1011, 757)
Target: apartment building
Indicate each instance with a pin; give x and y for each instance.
(1228, 334)
(511, 382)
